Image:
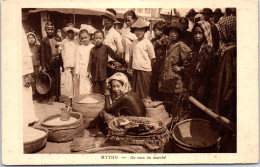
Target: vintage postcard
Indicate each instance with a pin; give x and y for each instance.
(129, 82)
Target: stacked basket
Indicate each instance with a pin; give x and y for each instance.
(153, 139)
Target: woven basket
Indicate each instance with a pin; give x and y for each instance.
(65, 133)
(36, 145)
(153, 140)
(89, 111)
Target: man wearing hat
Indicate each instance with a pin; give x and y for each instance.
(112, 37)
(191, 14)
(51, 61)
(207, 13)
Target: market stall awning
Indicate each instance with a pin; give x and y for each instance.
(93, 11)
(81, 11)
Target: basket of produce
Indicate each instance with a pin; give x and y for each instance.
(195, 135)
(147, 132)
(64, 131)
(89, 106)
(34, 139)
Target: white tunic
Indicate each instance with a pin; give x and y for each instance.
(82, 61)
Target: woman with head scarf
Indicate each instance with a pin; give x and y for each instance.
(223, 96)
(120, 100)
(202, 61)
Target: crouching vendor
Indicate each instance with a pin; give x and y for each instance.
(120, 100)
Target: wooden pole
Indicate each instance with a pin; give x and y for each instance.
(226, 122)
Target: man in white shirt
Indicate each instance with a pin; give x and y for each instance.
(112, 37)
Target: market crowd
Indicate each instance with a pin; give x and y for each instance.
(194, 55)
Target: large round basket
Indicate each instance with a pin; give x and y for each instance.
(36, 145)
(89, 111)
(153, 140)
(195, 135)
(66, 132)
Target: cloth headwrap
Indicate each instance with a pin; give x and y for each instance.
(227, 29)
(36, 39)
(207, 33)
(120, 77)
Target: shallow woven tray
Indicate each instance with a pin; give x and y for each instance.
(36, 145)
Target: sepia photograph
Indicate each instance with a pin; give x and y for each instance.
(109, 83)
(129, 80)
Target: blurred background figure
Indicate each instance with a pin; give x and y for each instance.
(230, 12)
(217, 14)
(191, 14)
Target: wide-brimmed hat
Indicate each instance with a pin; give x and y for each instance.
(111, 14)
(140, 23)
(191, 12)
(43, 83)
(207, 11)
(174, 25)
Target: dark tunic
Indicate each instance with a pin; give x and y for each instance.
(98, 61)
(128, 104)
(223, 92)
(201, 72)
(52, 62)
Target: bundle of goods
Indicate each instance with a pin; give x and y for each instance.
(34, 140)
(195, 135)
(64, 131)
(147, 132)
(89, 106)
(114, 66)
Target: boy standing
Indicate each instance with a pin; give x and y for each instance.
(143, 56)
(112, 37)
(51, 62)
(98, 62)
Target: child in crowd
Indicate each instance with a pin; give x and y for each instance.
(143, 57)
(171, 78)
(34, 45)
(82, 61)
(51, 62)
(160, 51)
(158, 32)
(68, 49)
(202, 61)
(58, 36)
(98, 62)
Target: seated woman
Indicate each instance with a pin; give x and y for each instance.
(124, 101)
